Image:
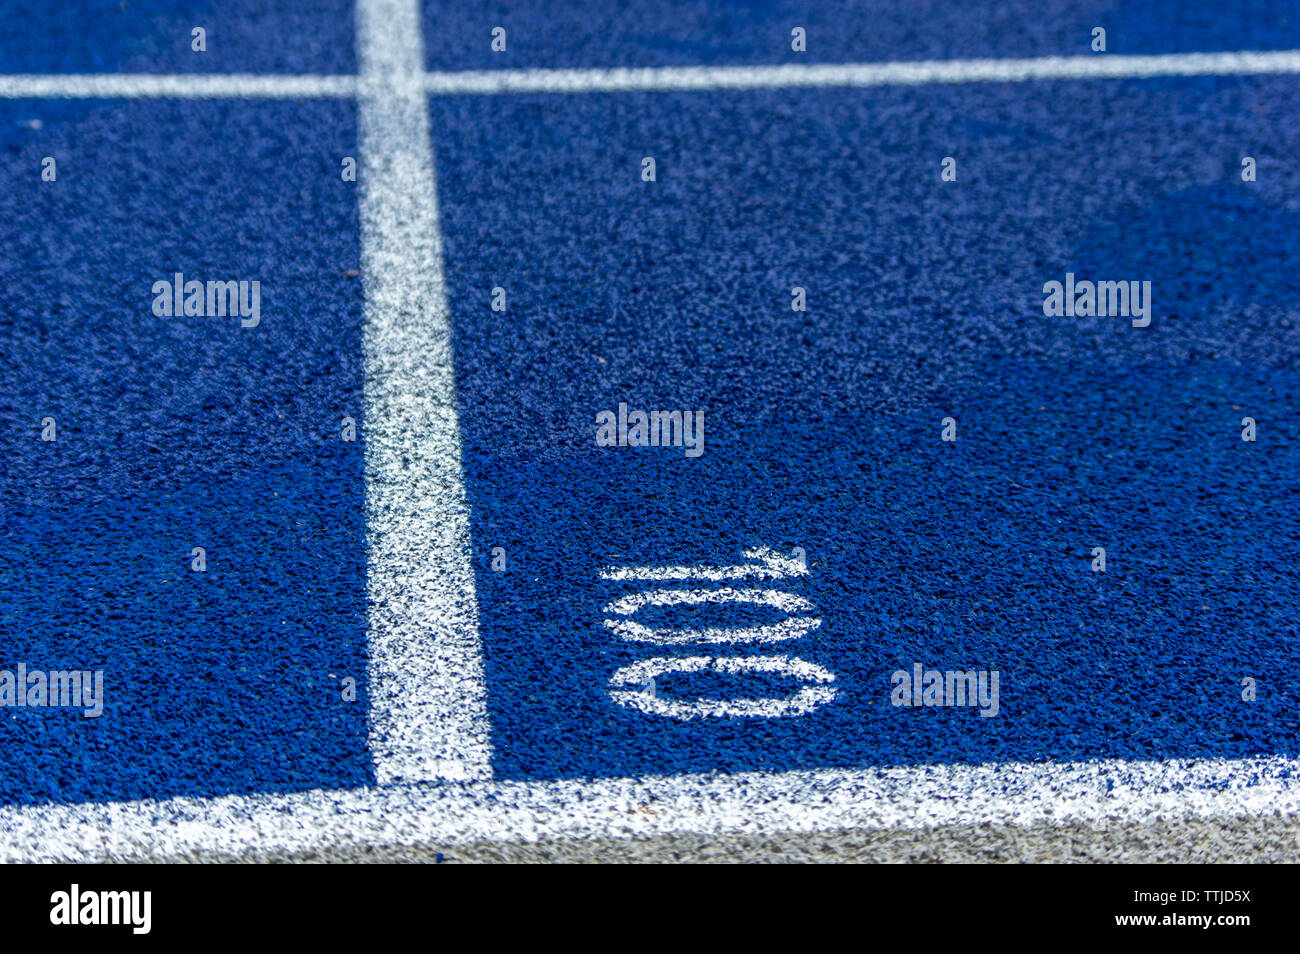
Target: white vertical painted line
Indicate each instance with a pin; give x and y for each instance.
(428, 702)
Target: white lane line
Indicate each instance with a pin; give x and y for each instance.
(428, 701)
(670, 78)
(450, 814)
(185, 85)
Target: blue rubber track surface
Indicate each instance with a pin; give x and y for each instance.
(181, 433)
(156, 36)
(822, 427)
(599, 34)
(925, 300)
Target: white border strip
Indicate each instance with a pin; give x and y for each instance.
(444, 816)
(428, 700)
(668, 78)
(197, 86)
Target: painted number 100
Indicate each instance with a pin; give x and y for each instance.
(633, 686)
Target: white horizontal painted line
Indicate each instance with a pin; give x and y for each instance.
(179, 86)
(663, 78)
(450, 814)
(669, 78)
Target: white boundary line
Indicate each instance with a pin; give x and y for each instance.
(428, 700)
(182, 85)
(669, 78)
(446, 815)
(428, 706)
